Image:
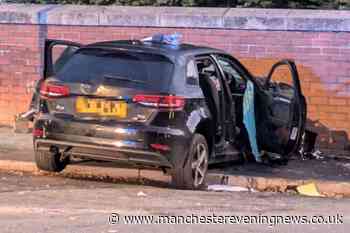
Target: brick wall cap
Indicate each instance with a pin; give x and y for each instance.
(20, 13)
(224, 18)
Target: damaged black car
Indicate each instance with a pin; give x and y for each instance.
(153, 104)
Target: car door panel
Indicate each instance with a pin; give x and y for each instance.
(282, 113)
(52, 61)
(51, 66)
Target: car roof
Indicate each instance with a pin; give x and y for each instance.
(173, 52)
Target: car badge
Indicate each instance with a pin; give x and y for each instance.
(87, 89)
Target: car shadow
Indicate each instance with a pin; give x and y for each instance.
(145, 180)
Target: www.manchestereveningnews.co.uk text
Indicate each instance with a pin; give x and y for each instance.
(116, 218)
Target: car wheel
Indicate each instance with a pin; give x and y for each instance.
(49, 161)
(193, 175)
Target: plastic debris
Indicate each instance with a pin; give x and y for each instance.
(141, 194)
(227, 188)
(307, 149)
(73, 218)
(22, 192)
(112, 231)
(317, 154)
(27, 114)
(309, 190)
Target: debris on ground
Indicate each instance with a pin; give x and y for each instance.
(112, 231)
(307, 149)
(20, 125)
(309, 190)
(22, 192)
(73, 218)
(27, 115)
(141, 194)
(317, 154)
(346, 165)
(227, 188)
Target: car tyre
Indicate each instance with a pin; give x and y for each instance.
(193, 174)
(49, 161)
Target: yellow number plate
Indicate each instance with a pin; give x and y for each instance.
(101, 107)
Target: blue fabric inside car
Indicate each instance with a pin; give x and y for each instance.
(249, 119)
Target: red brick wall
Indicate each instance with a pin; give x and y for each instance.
(323, 60)
(19, 66)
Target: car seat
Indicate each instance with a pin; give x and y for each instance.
(211, 96)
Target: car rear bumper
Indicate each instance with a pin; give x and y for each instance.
(106, 153)
(113, 141)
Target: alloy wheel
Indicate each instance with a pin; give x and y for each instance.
(199, 164)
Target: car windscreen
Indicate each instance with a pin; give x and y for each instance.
(123, 69)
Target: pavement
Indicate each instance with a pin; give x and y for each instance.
(331, 174)
(57, 204)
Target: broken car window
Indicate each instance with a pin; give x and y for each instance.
(281, 82)
(192, 73)
(236, 82)
(207, 66)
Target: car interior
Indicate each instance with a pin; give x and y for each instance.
(213, 90)
(237, 85)
(210, 85)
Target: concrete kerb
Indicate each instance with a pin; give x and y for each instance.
(326, 188)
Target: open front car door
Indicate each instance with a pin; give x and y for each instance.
(280, 111)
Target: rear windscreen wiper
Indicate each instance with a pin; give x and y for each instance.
(120, 78)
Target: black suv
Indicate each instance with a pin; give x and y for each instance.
(177, 108)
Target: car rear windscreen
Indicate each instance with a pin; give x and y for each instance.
(131, 70)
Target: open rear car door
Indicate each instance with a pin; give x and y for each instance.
(56, 54)
(280, 112)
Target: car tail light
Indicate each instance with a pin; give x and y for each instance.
(160, 101)
(53, 90)
(160, 147)
(38, 133)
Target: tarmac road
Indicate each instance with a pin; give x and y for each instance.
(57, 204)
